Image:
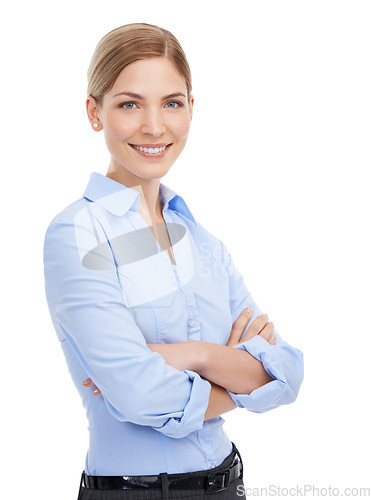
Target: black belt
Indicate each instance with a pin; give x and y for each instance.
(212, 482)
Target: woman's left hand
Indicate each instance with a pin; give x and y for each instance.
(260, 326)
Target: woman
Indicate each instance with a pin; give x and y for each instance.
(147, 304)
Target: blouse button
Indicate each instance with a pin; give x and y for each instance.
(193, 322)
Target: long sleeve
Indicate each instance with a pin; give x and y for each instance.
(89, 311)
(283, 362)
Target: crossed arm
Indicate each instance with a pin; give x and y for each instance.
(224, 367)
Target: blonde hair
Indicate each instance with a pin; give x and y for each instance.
(129, 43)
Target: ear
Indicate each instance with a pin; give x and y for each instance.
(92, 110)
(191, 101)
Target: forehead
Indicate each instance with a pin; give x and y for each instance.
(149, 75)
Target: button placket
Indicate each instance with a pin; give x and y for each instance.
(143, 224)
(193, 322)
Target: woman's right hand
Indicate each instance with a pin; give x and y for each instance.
(260, 326)
(89, 383)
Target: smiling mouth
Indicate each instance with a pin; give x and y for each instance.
(154, 151)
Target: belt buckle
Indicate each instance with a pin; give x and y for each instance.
(222, 481)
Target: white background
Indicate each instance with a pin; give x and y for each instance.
(280, 138)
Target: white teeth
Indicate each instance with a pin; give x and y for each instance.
(150, 150)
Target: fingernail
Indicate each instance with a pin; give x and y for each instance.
(95, 391)
(85, 381)
(273, 337)
(249, 309)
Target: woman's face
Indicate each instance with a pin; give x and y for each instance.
(147, 108)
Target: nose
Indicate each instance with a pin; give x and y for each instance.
(153, 123)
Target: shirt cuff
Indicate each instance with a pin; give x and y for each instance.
(267, 396)
(193, 415)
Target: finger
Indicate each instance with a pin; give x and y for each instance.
(96, 391)
(272, 339)
(88, 383)
(267, 331)
(239, 326)
(255, 328)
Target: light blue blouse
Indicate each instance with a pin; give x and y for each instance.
(111, 289)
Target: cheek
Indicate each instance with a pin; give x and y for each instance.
(180, 127)
(119, 129)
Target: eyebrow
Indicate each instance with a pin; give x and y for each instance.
(137, 96)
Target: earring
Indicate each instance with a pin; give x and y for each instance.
(95, 125)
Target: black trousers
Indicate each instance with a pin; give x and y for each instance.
(235, 490)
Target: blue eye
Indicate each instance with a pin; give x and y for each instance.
(128, 103)
(179, 104)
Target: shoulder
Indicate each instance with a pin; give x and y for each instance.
(207, 241)
(69, 212)
(74, 237)
(211, 237)
(67, 222)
